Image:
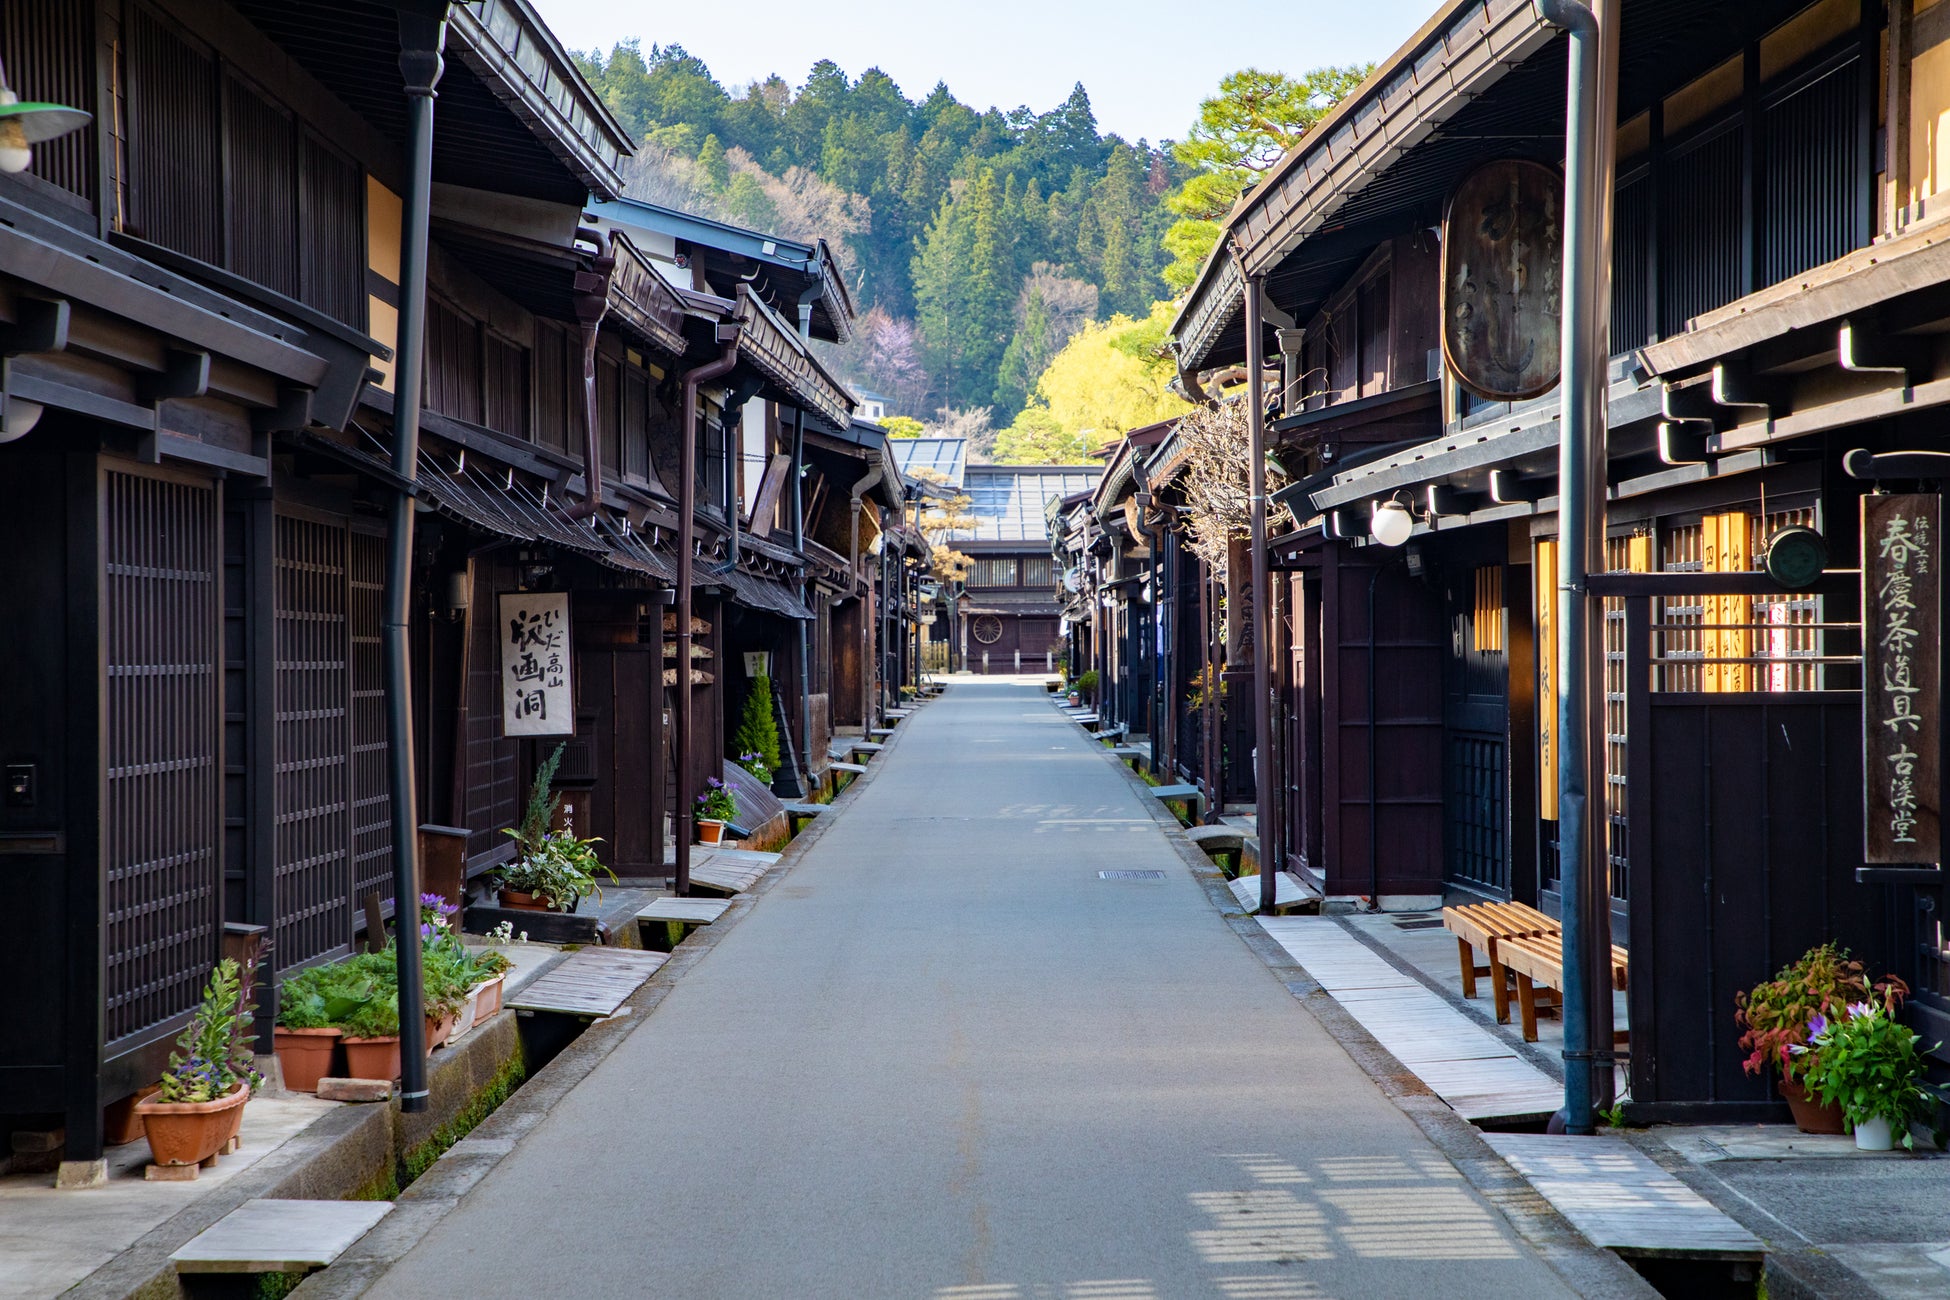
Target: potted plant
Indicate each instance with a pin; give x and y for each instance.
(715, 807)
(371, 1029)
(1867, 1062)
(310, 1003)
(553, 870)
(1086, 687)
(199, 1101)
(494, 968)
(1777, 1016)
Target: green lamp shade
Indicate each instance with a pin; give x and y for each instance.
(38, 122)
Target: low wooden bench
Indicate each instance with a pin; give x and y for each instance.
(1219, 841)
(1536, 961)
(666, 921)
(796, 813)
(1483, 926)
(1190, 795)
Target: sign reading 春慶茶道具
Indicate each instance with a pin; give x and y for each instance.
(536, 695)
(1902, 590)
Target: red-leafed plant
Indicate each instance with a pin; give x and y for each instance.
(1783, 1014)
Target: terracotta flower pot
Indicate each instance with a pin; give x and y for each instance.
(190, 1132)
(372, 1058)
(438, 1028)
(488, 1003)
(710, 831)
(1810, 1116)
(121, 1124)
(305, 1056)
(520, 901)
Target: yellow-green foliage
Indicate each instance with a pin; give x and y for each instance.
(1109, 378)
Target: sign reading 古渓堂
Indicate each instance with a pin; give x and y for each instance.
(536, 695)
(1902, 590)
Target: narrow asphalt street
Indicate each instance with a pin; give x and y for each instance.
(943, 1058)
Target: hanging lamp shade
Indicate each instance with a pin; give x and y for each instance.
(24, 125)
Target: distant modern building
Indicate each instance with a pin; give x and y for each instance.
(873, 406)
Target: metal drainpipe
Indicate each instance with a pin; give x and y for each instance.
(1591, 110)
(591, 305)
(1262, 641)
(1208, 595)
(805, 598)
(421, 38)
(867, 689)
(686, 545)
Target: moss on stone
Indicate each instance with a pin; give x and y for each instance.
(416, 1160)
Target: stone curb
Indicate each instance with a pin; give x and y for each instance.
(421, 1207)
(1590, 1271)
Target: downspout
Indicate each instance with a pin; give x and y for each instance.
(1262, 640)
(591, 305)
(421, 38)
(1208, 600)
(867, 689)
(1589, 164)
(1188, 380)
(728, 332)
(805, 598)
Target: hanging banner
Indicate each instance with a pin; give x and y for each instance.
(1902, 593)
(536, 695)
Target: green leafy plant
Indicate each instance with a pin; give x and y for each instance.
(539, 814)
(321, 997)
(717, 803)
(1202, 682)
(1776, 1014)
(213, 1056)
(1868, 1063)
(560, 870)
(1086, 685)
(758, 728)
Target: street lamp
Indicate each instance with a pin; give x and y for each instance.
(1392, 523)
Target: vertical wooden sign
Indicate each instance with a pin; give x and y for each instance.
(536, 694)
(1902, 593)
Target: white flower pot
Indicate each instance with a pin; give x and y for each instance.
(1873, 1135)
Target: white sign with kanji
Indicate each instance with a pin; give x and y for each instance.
(536, 696)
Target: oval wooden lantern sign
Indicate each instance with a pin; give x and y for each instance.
(1502, 267)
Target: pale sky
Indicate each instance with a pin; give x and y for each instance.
(1146, 63)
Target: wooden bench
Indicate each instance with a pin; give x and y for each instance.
(796, 813)
(1537, 960)
(1484, 925)
(666, 921)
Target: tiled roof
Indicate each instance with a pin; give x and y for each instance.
(1007, 500)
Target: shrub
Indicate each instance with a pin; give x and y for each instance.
(758, 728)
(1777, 1013)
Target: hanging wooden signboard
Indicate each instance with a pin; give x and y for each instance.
(537, 697)
(1902, 593)
(1502, 272)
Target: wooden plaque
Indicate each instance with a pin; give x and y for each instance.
(1902, 734)
(1502, 270)
(537, 697)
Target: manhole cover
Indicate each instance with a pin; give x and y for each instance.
(1130, 875)
(1418, 925)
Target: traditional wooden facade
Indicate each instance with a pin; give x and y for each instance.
(1775, 306)
(199, 297)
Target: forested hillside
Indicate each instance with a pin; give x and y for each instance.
(977, 242)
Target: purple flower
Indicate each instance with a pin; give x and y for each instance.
(1857, 1009)
(1818, 1026)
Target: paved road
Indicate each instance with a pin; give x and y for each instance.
(942, 1059)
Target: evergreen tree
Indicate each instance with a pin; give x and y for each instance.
(758, 728)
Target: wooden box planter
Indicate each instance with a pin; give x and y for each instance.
(191, 1132)
(305, 1056)
(372, 1058)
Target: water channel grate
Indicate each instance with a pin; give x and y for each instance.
(1418, 925)
(1130, 875)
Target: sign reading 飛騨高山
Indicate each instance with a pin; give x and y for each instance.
(536, 696)
(1902, 590)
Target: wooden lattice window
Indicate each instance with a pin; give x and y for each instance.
(162, 740)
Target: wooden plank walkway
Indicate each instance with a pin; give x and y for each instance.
(732, 870)
(1287, 891)
(278, 1236)
(1471, 1068)
(593, 982)
(1615, 1195)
